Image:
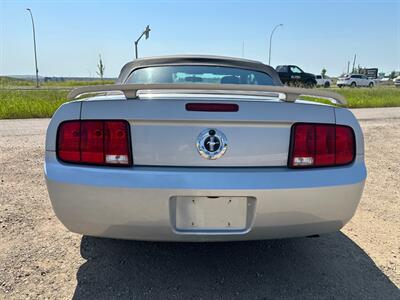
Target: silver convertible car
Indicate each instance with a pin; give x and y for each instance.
(203, 148)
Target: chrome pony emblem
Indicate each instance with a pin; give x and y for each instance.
(211, 144)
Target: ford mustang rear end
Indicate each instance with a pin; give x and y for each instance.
(232, 158)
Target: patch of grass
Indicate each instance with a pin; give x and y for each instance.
(318, 100)
(366, 97)
(10, 82)
(20, 104)
(75, 83)
(19, 99)
(370, 97)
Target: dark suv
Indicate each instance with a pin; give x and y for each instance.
(294, 76)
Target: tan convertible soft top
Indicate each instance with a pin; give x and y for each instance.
(284, 93)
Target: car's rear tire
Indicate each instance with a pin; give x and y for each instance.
(353, 84)
(371, 84)
(327, 84)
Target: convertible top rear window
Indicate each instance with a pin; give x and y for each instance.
(199, 74)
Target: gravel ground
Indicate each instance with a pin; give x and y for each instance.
(39, 258)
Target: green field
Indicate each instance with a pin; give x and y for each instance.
(20, 99)
(10, 83)
(370, 97)
(23, 104)
(366, 97)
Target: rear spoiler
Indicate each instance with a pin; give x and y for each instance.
(284, 93)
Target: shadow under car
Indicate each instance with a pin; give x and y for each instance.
(331, 266)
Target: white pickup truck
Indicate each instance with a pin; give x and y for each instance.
(323, 81)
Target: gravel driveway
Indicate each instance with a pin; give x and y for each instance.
(39, 258)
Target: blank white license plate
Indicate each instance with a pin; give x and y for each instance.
(211, 213)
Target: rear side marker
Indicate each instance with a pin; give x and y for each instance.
(94, 142)
(321, 145)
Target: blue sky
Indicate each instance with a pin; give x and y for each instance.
(316, 34)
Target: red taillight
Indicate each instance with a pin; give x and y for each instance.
(68, 141)
(345, 145)
(303, 145)
(116, 145)
(324, 145)
(319, 145)
(94, 142)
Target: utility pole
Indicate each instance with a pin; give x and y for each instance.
(270, 42)
(243, 49)
(354, 63)
(34, 47)
(144, 33)
(348, 67)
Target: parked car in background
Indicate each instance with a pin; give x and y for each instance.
(396, 81)
(354, 80)
(203, 148)
(294, 76)
(383, 81)
(323, 81)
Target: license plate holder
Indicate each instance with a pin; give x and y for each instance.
(200, 213)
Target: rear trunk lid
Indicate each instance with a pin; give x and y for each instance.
(164, 133)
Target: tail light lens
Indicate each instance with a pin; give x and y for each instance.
(94, 142)
(321, 145)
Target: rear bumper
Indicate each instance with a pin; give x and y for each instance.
(138, 203)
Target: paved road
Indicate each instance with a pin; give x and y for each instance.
(366, 114)
(39, 258)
